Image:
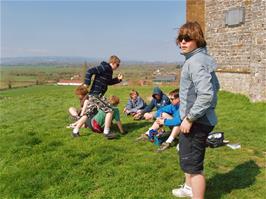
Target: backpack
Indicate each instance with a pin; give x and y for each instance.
(215, 139)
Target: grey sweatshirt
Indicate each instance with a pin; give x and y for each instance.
(198, 88)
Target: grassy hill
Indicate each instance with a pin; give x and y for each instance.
(39, 158)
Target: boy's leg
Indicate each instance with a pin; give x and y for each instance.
(167, 144)
(103, 104)
(173, 135)
(155, 126)
(192, 147)
(95, 103)
(73, 113)
(79, 124)
(91, 108)
(149, 116)
(107, 125)
(144, 136)
(198, 185)
(108, 122)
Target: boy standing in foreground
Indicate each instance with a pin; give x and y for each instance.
(198, 97)
(103, 76)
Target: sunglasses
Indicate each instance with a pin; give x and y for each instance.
(187, 38)
(117, 65)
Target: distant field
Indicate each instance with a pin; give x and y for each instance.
(39, 158)
(28, 75)
(18, 76)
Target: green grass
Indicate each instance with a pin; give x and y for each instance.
(39, 158)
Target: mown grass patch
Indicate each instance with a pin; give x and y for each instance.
(39, 158)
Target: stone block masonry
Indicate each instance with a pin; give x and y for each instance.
(236, 47)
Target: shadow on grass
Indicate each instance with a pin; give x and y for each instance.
(133, 126)
(242, 176)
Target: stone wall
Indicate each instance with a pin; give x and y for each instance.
(231, 46)
(258, 52)
(195, 11)
(239, 47)
(234, 82)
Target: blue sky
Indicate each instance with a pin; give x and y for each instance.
(133, 30)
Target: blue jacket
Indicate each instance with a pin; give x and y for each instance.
(158, 104)
(133, 106)
(103, 77)
(198, 87)
(173, 111)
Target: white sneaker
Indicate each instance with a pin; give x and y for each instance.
(183, 191)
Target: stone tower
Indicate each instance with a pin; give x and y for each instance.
(235, 32)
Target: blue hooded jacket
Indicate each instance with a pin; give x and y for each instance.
(157, 103)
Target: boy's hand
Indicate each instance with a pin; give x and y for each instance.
(126, 111)
(120, 76)
(185, 126)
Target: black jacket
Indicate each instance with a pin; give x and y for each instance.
(103, 77)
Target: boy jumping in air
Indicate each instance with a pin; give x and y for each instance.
(103, 76)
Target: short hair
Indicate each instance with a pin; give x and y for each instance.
(114, 100)
(81, 90)
(174, 93)
(194, 31)
(114, 59)
(133, 92)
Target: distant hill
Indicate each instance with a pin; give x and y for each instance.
(57, 60)
(49, 60)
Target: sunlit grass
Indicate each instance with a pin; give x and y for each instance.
(39, 158)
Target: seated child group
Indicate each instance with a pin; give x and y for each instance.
(97, 113)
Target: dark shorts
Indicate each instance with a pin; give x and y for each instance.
(192, 148)
(96, 103)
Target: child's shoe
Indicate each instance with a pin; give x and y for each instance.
(142, 137)
(75, 134)
(164, 146)
(183, 191)
(110, 135)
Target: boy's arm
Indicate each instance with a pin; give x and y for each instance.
(129, 105)
(175, 121)
(120, 127)
(115, 81)
(84, 107)
(149, 107)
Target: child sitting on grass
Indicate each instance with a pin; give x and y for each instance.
(159, 100)
(135, 103)
(82, 93)
(167, 116)
(101, 122)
